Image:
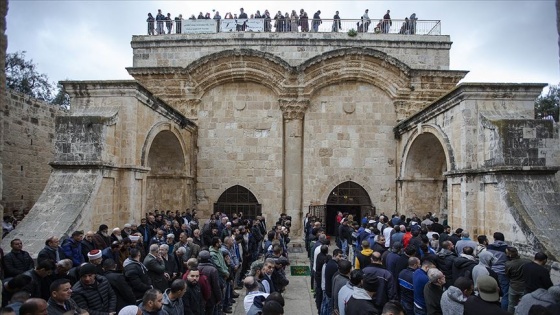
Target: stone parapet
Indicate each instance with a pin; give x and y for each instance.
(179, 50)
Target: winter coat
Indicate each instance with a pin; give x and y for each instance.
(537, 297)
(73, 250)
(53, 308)
(514, 271)
(123, 291)
(97, 299)
(445, 259)
(211, 273)
(48, 253)
(137, 277)
(363, 258)
(156, 270)
(386, 289)
(360, 303)
(536, 276)
(483, 268)
(193, 302)
(172, 307)
(477, 306)
(16, 263)
(463, 267)
(498, 249)
(432, 296)
(453, 301)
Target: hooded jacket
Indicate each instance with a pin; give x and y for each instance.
(363, 258)
(360, 303)
(445, 259)
(538, 297)
(172, 307)
(483, 268)
(137, 277)
(498, 249)
(453, 301)
(463, 266)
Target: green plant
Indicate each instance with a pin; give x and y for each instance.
(352, 33)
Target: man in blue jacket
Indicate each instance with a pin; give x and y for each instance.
(72, 248)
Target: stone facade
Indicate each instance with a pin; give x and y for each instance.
(374, 123)
(478, 157)
(27, 147)
(117, 148)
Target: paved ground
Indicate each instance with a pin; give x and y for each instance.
(298, 296)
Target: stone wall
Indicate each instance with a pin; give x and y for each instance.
(27, 128)
(179, 50)
(3, 46)
(240, 143)
(348, 138)
(101, 167)
(497, 161)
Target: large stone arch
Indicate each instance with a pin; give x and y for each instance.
(344, 176)
(422, 185)
(355, 64)
(240, 65)
(166, 181)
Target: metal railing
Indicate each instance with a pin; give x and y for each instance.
(404, 27)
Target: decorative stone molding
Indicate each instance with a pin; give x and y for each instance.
(293, 109)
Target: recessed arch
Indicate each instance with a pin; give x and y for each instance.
(355, 64)
(155, 131)
(166, 181)
(240, 65)
(422, 182)
(238, 199)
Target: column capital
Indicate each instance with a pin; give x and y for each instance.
(293, 108)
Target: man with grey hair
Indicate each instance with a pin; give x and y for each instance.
(464, 242)
(433, 291)
(156, 268)
(171, 268)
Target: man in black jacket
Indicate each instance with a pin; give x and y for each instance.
(93, 292)
(17, 261)
(122, 289)
(136, 274)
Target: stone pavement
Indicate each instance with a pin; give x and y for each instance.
(298, 297)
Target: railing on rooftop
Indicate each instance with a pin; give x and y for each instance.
(201, 26)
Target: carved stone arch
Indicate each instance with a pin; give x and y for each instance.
(343, 176)
(244, 65)
(226, 185)
(355, 64)
(154, 132)
(441, 138)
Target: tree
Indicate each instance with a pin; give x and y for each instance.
(548, 103)
(22, 76)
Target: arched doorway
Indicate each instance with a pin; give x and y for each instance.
(166, 180)
(423, 185)
(347, 197)
(238, 199)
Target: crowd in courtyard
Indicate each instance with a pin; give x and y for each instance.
(168, 264)
(287, 22)
(419, 266)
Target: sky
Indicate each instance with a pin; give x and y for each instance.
(497, 41)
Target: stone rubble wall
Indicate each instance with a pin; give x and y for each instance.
(28, 133)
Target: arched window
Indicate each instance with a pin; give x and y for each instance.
(238, 199)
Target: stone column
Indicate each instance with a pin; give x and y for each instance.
(293, 113)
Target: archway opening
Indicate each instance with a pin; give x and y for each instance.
(347, 197)
(423, 183)
(238, 199)
(166, 181)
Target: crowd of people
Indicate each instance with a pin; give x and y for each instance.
(168, 264)
(419, 266)
(288, 22)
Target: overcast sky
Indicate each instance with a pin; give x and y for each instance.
(497, 41)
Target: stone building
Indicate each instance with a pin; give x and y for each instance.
(292, 122)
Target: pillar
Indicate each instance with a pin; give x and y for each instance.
(293, 113)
